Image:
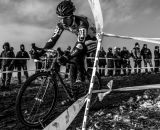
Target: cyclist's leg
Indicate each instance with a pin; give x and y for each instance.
(73, 72)
(73, 76)
(80, 69)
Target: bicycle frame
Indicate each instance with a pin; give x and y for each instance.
(56, 74)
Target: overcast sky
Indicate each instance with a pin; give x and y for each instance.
(27, 21)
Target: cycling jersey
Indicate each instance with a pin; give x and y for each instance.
(81, 26)
(85, 31)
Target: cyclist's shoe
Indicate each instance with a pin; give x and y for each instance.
(79, 89)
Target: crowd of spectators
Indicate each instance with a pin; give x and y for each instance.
(9, 61)
(113, 62)
(117, 61)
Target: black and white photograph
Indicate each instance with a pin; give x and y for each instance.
(79, 65)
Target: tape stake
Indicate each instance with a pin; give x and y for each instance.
(90, 88)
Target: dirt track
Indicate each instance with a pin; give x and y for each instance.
(8, 118)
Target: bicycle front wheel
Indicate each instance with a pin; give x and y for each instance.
(36, 99)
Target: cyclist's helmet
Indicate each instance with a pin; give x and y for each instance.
(65, 8)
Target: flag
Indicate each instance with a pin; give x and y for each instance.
(97, 13)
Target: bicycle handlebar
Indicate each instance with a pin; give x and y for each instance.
(50, 50)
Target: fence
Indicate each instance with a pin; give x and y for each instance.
(32, 67)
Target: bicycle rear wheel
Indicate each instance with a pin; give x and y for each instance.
(36, 99)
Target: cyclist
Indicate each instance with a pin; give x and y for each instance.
(85, 32)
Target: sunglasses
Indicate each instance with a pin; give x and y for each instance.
(65, 17)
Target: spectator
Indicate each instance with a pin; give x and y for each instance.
(68, 50)
(125, 55)
(60, 52)
(12, 53)
(90, 62)
(156, 59)
(34, 54)
(117, 61)
(136, 54)
(102, 62)
(22, 63)
(12, 50)
(110, 62)
(6, 65)
(147, 57)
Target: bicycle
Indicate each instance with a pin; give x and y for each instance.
(35, 108)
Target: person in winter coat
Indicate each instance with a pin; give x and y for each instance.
(136, 54)
(7, 65)
(110, 62)
(35, 55)
(22, 63)
(102, 62)
(125, 55)
(90, 61)
(156, 59)
(147, 57)
(117, 61)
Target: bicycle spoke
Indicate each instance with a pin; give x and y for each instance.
(37, 99)
(40, 100)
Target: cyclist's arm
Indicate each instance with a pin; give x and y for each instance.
(52, 41)
(80, 41)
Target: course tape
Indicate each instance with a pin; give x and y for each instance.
(133, 88)
(54, 58)
(65, 119)
(8, 58)
(97, 13)
(104, 92)
(102, 95)
(21, 71)
(98, 17)
(124, 68)
(151, 40)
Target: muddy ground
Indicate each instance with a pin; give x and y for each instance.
(114, 112)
